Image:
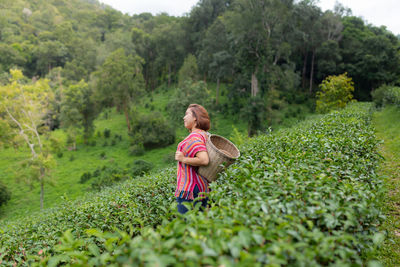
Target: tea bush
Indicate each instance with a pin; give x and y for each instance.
(305, 196)
(127, 206)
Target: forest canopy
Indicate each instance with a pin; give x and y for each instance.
(264, 51)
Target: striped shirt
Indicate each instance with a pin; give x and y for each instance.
(187, 176)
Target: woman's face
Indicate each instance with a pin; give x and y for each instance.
(189, 119)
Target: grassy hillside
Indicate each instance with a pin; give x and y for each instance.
(304, 196)
(88, 158)
(387, 126)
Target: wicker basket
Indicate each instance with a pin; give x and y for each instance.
(222, 153)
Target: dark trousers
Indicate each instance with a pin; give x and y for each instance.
(182, 208)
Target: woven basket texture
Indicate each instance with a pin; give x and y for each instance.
(221, 153)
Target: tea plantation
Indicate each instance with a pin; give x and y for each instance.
(304, 196)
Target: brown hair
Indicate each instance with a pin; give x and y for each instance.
(201, 115)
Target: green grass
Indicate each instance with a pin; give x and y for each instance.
(67, 173)
(387, 124)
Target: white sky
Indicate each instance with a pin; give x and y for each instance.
(378, 13)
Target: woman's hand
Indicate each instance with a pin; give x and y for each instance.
(179, 156)
(201, 158)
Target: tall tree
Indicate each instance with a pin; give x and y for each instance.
(215, 56)
(201, 17)
(258, 29)
(370, 56)
(168, 39)
(23, 108)
(189, 70)
(307, 18)
(50, 54)
(78, 110)
(120, 78)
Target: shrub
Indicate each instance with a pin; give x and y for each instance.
(85, 177)
(113, 143)
(335, 92)
(96, 173)
(109, 176)
(71, 158)
(5, 194)
(107, 133)
(60, 154)
(152, 130)
(103, 155)
(169, 158)
(386, 94)
(392, 96)
(140, 167)
(378, 95)
(136, 150)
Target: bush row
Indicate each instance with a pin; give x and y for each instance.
(306, 196)
(127, 206)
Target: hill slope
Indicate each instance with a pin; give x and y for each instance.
(308, 195)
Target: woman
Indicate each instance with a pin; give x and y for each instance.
(191, 154)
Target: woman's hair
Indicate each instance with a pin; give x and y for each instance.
(201, 115)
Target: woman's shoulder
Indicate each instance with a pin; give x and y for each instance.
(198, 134)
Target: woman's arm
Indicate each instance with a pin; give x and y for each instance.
(200, 159)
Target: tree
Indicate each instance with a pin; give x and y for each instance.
(335, 92)
(120, 78)
(78, 110)
(201, 17)
(189, 70)
(258, 31)
(168, 39)
(215, 57)
(255, 115)
(23, 108)
(50, 54)
(10, 57)
(370, 56)
(145, 48)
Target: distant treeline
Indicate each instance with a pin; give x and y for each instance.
(254, 45)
